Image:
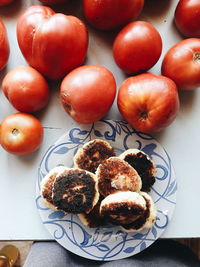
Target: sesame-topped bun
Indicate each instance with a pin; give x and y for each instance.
(115, 174)
(143, 165)
(123, 207)
(93, 153)
(145, 221)
(75, 191)
(47, 186)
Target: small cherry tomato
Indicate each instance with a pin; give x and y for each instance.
(182, 64)
(148, 102)
(137, 47)
(87, 93)
(4, 46)
(26, 89)
(111, 14)
(21, 133)
(187, 17)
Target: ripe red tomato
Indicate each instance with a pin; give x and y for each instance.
(87, 93)
(54, 44)
(5, 2)
(148, 102)
(111, 14)
(21, 133)
(187, 17)
(182, 64)
(4, 46)
(26, 89)
(137, 47)
(53, 2)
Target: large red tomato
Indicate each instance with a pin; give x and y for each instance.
(182, 64)
(26, 89)
(53, 2)
(5, 2)
(87, 93)
(4, 46)
(54, 44)
(137, 47)
(187, 17)
(111, 14)
(21, 133)
(148, 102)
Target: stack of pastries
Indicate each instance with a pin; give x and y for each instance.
(103, 188)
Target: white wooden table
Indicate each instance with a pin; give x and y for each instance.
(19, 218)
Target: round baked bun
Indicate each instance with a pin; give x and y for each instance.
(115, 174)
(47, 186)
(142, 163)
(147, 220)
(93, 153)
(152, 210)
(75, 191)
(93, 218)
(123, 207)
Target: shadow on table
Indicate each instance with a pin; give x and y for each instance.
(162, 7)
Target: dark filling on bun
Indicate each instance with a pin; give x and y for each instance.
(74, 191)
(122, 213)
(137, 224)
(47, 191)
(144, 167)
(94, 218)
(94, 154)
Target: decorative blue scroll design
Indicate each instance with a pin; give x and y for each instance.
(102, 249)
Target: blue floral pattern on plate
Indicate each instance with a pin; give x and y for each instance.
(107, 243)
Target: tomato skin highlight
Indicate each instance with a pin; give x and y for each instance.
(21, 134)
(187, 17)
(4, 46)
(182, 64)
(49, 41)
(137, 47)
(87, 93)
(111, 14)
(26, 89)
(148, 102)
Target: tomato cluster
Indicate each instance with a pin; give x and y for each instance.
(55, 46)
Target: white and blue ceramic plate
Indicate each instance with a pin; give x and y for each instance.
(107, 243)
